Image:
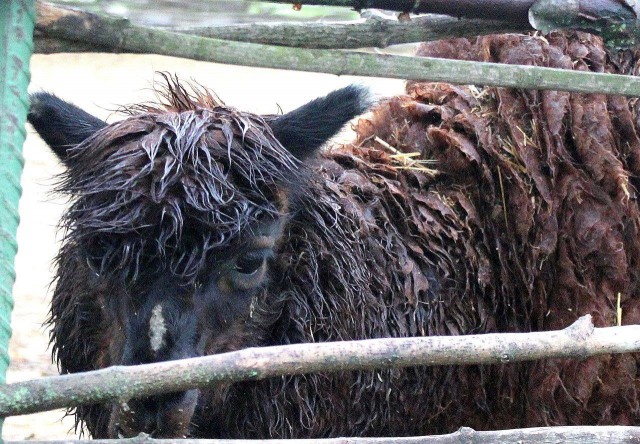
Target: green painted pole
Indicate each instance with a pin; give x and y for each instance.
(17, 18)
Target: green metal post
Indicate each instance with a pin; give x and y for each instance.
(17, 19)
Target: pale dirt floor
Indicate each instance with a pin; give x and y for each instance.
(100, 83)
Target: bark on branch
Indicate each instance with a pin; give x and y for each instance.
(119, 35)
(615, 20)
(466, 435)
(579, 340)
(372, 32)
(505, 10)
(375, 32)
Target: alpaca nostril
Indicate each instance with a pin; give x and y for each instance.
(164, 416)
(175, 415)
(119, 432)
(131, 418)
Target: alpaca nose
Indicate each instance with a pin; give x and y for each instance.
(128, 419)
(173, 416)
(164, 416)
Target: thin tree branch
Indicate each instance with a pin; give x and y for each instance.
(372, 32)
(615, 20)
(617, 25)
(466, 435)
(507, 10)
(119, 35)
(580, 340)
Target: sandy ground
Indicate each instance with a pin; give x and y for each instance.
(99, 83)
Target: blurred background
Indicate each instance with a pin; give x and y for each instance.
(209, 12)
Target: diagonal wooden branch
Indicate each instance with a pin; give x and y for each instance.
(119, 36)
(535, 435)
(579, 340)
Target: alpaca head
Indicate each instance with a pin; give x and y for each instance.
(175, 213)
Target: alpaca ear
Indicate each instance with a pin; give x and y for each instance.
(60, 124)
(304, 130)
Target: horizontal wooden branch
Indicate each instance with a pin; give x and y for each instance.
(618, 27)
(579, 340)
(615, 20)
(120, 35)
(466, 435)
(373, 32)
(514, 11)
(507, 10)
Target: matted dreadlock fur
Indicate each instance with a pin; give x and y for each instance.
(174, 213)
(168, 189)
(525, 222)
(172, 182)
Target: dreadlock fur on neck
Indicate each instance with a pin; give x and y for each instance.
(172, 183)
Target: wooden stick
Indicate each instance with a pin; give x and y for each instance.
(373, 32)
(615, 20)
(580, 340)
(514, 11)
(466, 435)
(120, 35)
(507, 10)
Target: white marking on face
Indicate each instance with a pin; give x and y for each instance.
(157, 329)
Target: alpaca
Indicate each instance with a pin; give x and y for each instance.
(166, 254)
(226, 230)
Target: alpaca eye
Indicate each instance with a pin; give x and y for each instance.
(248, 270)
(250, 263)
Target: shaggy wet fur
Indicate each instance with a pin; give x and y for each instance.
(529, 221)
(164, 192)
(166, 187)
(170, 210)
